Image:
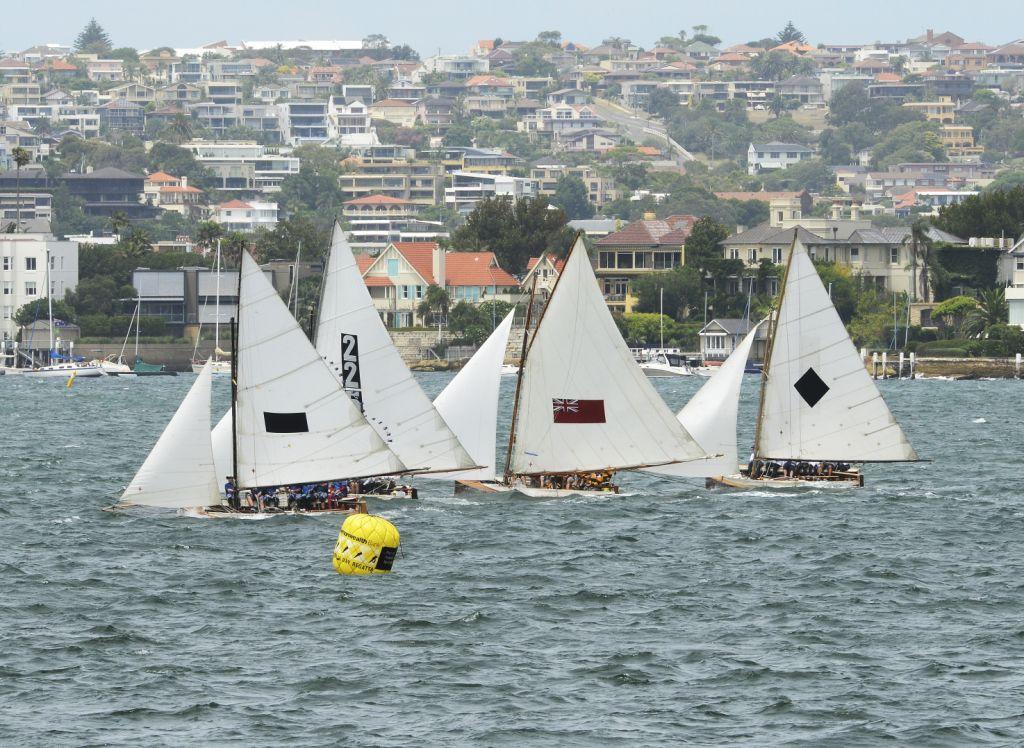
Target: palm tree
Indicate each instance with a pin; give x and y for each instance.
(180, 128)
(777, 105)
(21, 158)
(921, 249)
(119, 223)
(992, 310)
(435, 302)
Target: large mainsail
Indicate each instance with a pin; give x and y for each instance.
(352, 339)
(294, 422)
(818, 401)
(179, 471)
(469, 404)
(710, 417)
(584, 403)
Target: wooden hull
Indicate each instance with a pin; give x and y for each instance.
(478, 486)
(358, 506)
(743, 483)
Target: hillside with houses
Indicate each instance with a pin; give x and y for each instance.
(689, 165)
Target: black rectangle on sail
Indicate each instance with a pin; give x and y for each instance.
(285, 423)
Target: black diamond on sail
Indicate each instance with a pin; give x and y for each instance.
(811, 387)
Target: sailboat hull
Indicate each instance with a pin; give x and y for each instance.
(490, 486)
(356, 506)
(742, 482)
(63, 371)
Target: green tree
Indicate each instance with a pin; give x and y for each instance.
(375, 41)
(704, 242)
(283, 242)
(180, 129)
(95, 295)
(469, 323)
(681, 286)
(119, 222)
(956, 313)
(572, 197)
(990, 213)
(93, 39)
(515, 230)
(208, 233)
(790, 34)
(550, 38)
(992, 310)
(811, 174)
(39, 309)
(315, 188)
(179, 162)
(910, 142)
(435, 304)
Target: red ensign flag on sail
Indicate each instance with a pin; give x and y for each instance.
(578, 411)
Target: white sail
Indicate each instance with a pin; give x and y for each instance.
(352, 339)
(295, 424)
(710, 417)
(584, 403)
(222, 457)
(819, 402)
(179, 471)
(469, 404)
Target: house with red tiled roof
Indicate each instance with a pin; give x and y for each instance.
(398, 278)
(642, 247)
(546, 269)
(246, 217)
(173, 193)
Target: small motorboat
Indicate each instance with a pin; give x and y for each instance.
(667, 365)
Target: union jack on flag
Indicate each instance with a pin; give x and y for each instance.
(569, 410)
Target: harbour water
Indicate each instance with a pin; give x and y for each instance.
(670, 615)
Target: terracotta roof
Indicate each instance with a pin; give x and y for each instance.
(651, 232)
(487, 80)
(475, 269)
(420, 255)
(179, 188)
(60, 65)
(161, 176)
(233, 204)
(888, 78)
(10, 62)
(377, 200)
(794, 47)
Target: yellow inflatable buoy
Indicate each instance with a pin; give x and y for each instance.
(366, 545)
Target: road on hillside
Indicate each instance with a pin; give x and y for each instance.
(639, 126)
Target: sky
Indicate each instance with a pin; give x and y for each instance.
(454, 25)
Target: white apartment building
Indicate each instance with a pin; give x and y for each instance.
(243, 164)
(468, 188)
(23, 273)
(452, 66)
(245, 217)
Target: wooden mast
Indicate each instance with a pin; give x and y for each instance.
(519, 376)
(768, 351)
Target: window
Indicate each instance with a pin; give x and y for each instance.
(1020, 264)
(6, 264)
(8, 288)
(773, 286)
(606, 260)
(30, 288)
(8, 312)
(667, 260)
(775, 154)
(734, 254)
(405, 291)
(854, 254)
(777, 255)
(781, 215)
(419, 292)
(625, 260)
(752, 255)
(392, 268)
(642, 260)
(30, 263)
(894, 255)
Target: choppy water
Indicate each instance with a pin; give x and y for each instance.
(894, 613)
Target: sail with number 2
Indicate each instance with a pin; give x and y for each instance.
(584, 405)
(354, 342)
